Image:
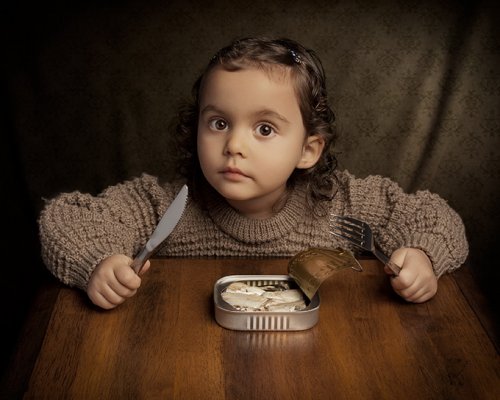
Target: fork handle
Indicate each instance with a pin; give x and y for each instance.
(396, 269)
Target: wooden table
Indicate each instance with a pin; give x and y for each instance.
(165, 343)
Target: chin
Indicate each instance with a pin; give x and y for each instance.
(233, 194)
(230, 195)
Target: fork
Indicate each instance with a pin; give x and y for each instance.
(360, 234)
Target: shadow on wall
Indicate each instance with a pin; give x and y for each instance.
(23, 269)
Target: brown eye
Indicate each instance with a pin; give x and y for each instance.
(265, 130)
(218, 125)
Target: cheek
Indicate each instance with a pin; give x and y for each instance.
(207, 149)
(279, 162)
(202, 149)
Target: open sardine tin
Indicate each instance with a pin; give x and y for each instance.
(255, 320)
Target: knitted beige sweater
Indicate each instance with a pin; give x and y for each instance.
(78, 230)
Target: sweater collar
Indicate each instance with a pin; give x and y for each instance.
(250, 230)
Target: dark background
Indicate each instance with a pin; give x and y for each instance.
(89, 89)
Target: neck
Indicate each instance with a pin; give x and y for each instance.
(260, 208)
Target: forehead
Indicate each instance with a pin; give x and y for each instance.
(249, 86)
(276, 73)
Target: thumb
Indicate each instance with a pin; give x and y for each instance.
(398, 257)
(145, 267)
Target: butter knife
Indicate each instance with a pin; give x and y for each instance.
(163, 229)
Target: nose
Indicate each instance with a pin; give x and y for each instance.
(235, 143)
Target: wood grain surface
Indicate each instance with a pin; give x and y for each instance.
(165, 343)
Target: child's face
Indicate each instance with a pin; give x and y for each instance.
(250, 136)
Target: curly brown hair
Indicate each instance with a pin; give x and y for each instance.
(309, 79)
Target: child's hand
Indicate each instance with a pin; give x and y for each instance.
(416, 282)
(113, 281)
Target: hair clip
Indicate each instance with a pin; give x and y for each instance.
(295, 56)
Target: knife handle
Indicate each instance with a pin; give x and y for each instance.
(141, 258)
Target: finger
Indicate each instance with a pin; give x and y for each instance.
(145, 267)
(113, 282)
(123, 283)
(426, 293)
(388, 271)
(99, 300)
(398, 257)
(127, 278)
(418, 297)
(412, 293)
(424, 297)
(121, 290)
(404, 281)
(111, 296)
(391, 268)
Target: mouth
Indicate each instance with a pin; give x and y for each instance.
(233, 173)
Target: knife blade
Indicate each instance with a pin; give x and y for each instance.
(163, 229)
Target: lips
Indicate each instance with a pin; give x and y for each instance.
(232, 172)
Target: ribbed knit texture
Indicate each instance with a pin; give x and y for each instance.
(77, 230)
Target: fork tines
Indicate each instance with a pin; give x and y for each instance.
(347, 227)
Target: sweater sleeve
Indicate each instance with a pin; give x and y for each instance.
(78, 230)
(420, 220)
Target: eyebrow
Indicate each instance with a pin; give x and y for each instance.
(210, 108)
(271, 113)
(261, 113)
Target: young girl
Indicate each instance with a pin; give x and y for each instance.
(258, 157)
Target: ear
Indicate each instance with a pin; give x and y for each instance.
(311, 151)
